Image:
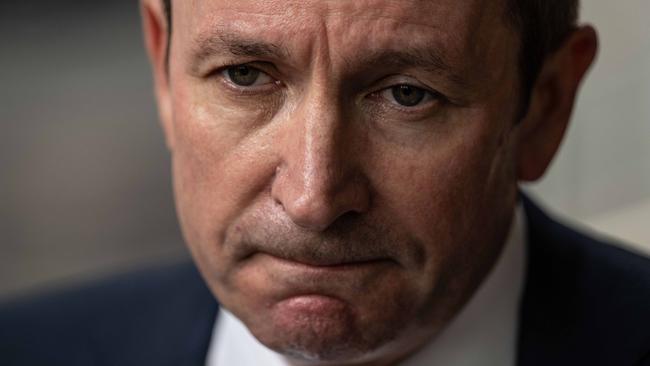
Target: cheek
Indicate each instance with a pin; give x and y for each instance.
(219, 162)
(439, 195)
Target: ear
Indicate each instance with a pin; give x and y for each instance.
(154, 26)
(552, 100)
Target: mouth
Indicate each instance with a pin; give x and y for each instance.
(316, 280)
(326, 264)
(318, 276)
(315, 256)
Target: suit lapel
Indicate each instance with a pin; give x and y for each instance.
(177, 327)
(585, 302)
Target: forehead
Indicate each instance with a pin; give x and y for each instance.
(424, 12)
(376, 22)
(470, 35)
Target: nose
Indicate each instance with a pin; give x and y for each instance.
(319, 178)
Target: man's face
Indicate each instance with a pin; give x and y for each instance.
(344, 170)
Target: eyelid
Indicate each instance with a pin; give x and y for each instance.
(262, 74)
(429, 101)
(399, 79)
(428, 95)
(386, 84)
(404, 79)
(222, 74)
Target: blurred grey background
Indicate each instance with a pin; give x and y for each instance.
(84, 176)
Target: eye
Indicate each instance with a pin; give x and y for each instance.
(406, 95)
(245, 75)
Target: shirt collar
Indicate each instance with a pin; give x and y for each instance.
(484, 332)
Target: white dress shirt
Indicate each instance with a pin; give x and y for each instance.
(483, 333)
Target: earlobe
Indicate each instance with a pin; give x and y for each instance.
(154, 27)
(552, 101)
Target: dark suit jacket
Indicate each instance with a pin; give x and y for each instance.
(585, 303)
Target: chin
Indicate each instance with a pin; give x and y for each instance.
(324, 330)
(315, 342)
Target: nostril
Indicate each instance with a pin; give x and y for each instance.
(311, 212)
(313, 196)
(317, 203)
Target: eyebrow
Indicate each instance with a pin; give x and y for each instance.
(218, 43)
(428, 59)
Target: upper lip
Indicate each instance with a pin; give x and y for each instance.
(327, 262)
(322, 259)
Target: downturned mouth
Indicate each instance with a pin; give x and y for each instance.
(329, 263)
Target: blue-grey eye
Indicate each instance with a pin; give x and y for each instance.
(243, 75)
(408, 95)
(246, 76)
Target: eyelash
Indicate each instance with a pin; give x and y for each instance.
(246, 90)
(430, 97)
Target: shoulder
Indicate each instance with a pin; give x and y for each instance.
(584, 298)
(118, 316)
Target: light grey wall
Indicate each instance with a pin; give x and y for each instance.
(84, 186)
(84, 180)
(602, 175)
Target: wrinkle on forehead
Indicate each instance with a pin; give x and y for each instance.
(438, 15)
(461, 30)
(416, 12)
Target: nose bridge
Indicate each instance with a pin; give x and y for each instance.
(316, 181)
(322, 157)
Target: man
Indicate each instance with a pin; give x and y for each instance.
(346, 175)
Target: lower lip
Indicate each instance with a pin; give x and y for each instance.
(312, 289)
(336, 268)
(308, 308)
(313, 304)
